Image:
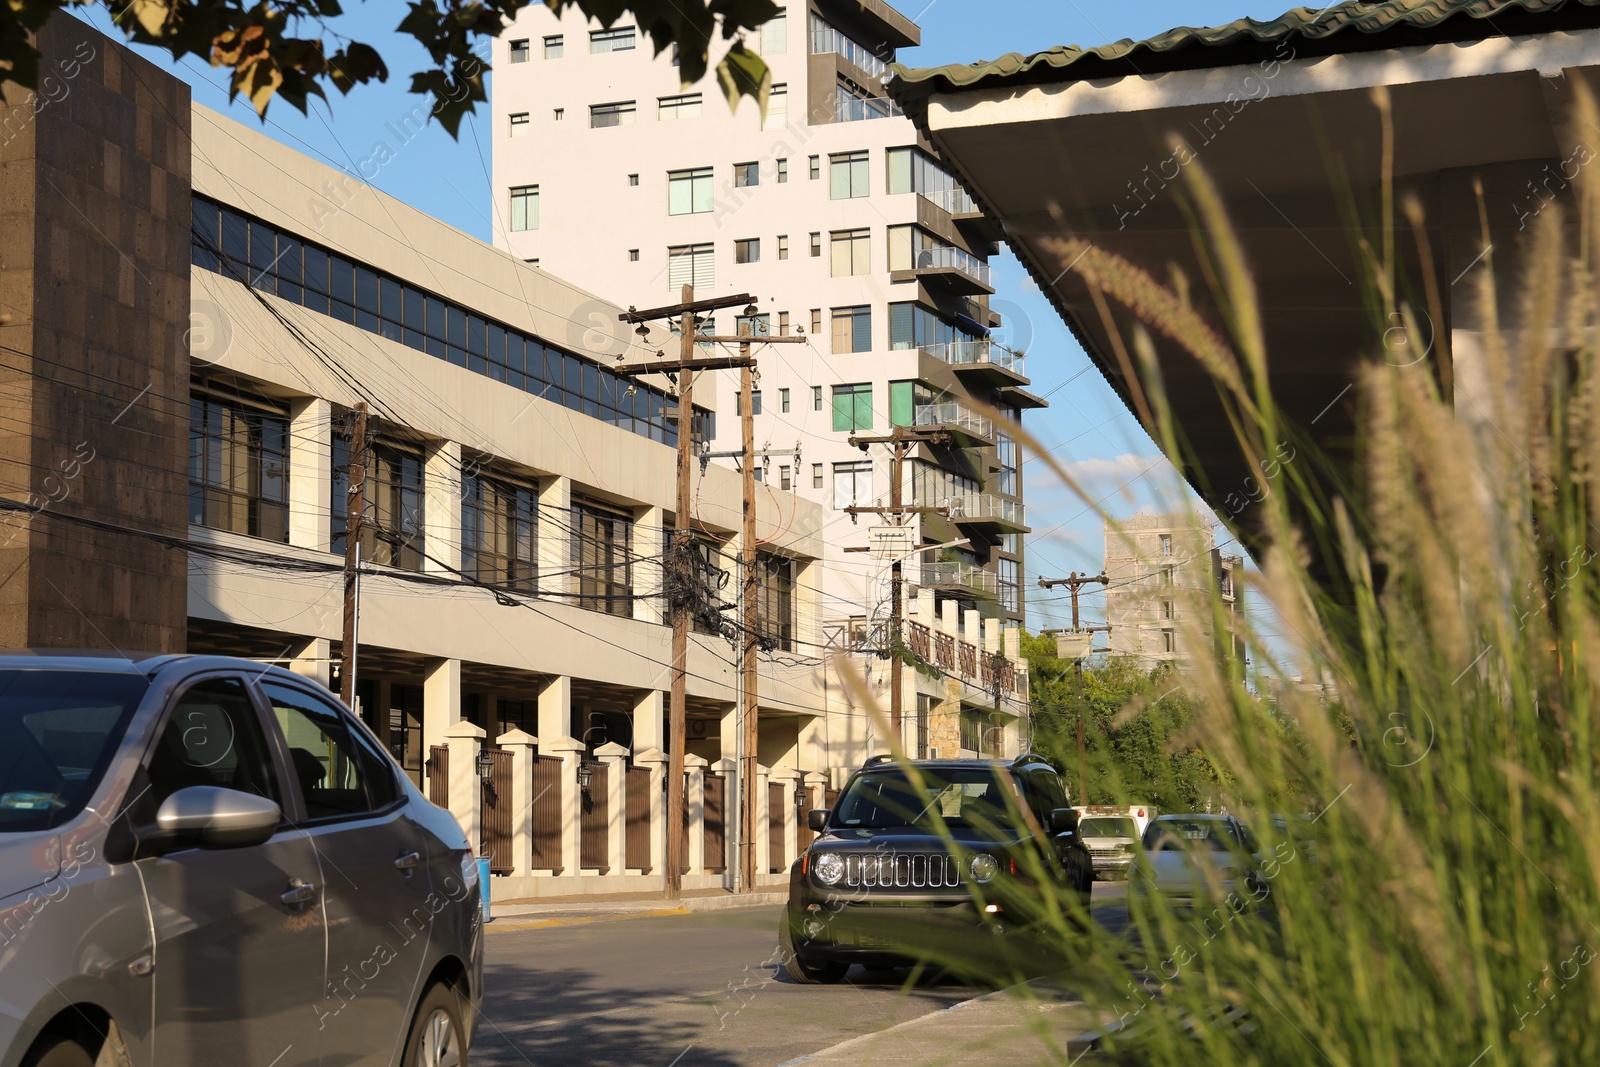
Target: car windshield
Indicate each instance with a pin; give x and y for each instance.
(1195, 833)
(58, 730)
(1101, 826)
(961, 797)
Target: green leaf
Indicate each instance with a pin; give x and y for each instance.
(743, 73)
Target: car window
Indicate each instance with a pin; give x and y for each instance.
(1047, 787)
(1106, 826)
(339, 772)
(212, 737)
(1195, 833)
(957, 796)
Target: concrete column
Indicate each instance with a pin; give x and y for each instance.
(466, 790)
(441, 508)
(731, 795)
(650, 721)
(694, 802)
(570, 751)
(310, 660)
(521, 745)
(555, 708)
(728, 743)
(441, 706)
(310, 474)
(555, 546)
(614, 758)
(762, 821)
(969, 627)
(947, 618)
(650, 541)
(791, 779)
(991, 636)
(816, 792)
(1013, 643)
(924, 608)
(658, 762)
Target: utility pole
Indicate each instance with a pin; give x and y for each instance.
(680, 559)
(1074, 582)
(900, 442)
(355, 514)
(751, 733)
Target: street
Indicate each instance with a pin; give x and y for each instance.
(696, 990)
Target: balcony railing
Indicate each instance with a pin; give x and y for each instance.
(951, 256)
(934, 647)
(986, 507)
(976, 353)
(857, 109)
(956, 201)
(950, 574)
(955, 416)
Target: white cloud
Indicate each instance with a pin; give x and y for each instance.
(1118, 469)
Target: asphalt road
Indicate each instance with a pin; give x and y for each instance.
(696, 990)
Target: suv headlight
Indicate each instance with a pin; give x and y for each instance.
(983, 867)
(829, 868)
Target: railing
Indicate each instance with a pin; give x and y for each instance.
(983, 506)
(547, 813)
(495, 840)
(976, 353)
(824, 39)
(960, 575)
(593, 843)
(951, 414)
(716, 812)
(636, 825)
(951, 256)
(439, 775)
(956, 201)
(942, 650)
(852, 108)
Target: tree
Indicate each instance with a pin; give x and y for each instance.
(260, 43)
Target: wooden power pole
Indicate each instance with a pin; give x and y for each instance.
(1074, 582)
(355, 515)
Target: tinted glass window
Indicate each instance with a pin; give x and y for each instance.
(960, 797)
(340, 773)
(58, 731)
(212, 738)
(1192, 833)
(1104, 827)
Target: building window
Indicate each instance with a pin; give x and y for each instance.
(852, 484)
(783, 401)
(602, 551)
(979, 733)
(621, 113)
(391, 534)
(816, 167)
(1169, 641)
(754, 325)
(913, 326)
(746, 175)
(689, 191)
(775, 599)
(1168, 576)
(911, 170)
(689, 265)
(554, 48)
(519, 51)
(558, 114)
(777, 116)
(783, 478)
(816, 324)
(847, 176)
(852, 407)
(633, 181)
(783, 325)
(239, 467)
(1166, 544)
(774, 39)
(783, 171)
(1006, 453)
(1167, 610)
(852, 329)
(684, 106)
(851, 252)
(1226, 582)
(499, 531)
(816, 245)
(620, 39)
(783, 246)
(633, 255)
(1007, 582)
(747, 250)
(519, 124)
(524, 207)
(816, 476)
(816, 398)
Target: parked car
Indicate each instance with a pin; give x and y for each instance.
(1198, 861)
(208, 861)
(916, 858)
(1112, 841)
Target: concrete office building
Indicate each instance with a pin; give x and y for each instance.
(1162, 573)
(835, 217)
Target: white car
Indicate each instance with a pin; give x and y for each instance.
(1199, 861)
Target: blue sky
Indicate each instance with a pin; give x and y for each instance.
(1086, 428)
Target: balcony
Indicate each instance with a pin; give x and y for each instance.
(985, 509)
(851, 108)
(957, 419)
(955, 201)
(959, 577)
(981, 359)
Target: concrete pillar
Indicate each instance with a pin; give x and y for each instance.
(947, 618)
(969, 627)
(728, 743)
(441, 706)
(1013, 643)
(650, 721)
(555, 707)
(816, 783)
(991, 636)
(791, 779)
(441, 508)
(466, 790)
(694, 802)
(658, 763)
(924, 608)
(731, 795)
(521, 745)
(762, 821)
(570, 752)
(614, 758)
(649, 542)
(555, 546)
(311, 660)
(310, 474)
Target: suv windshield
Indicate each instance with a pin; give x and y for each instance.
(1216, 834)
(58, 730)
(1106, 827)
(960, 797)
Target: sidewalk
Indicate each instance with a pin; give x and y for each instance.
(527, 914)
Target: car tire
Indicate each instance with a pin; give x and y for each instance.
(800, 970)
(59, 1052)
(437, 1038)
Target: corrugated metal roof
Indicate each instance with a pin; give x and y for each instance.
(1355, 25)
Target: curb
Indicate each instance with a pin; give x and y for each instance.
(543, 916)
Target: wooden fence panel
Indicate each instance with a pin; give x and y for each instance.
(593, 848)
(716, 823)
(778, 797)
(547, 813)
(496, 819)
(439, 775)
(637, 821)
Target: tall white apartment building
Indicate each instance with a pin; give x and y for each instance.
(843, 227)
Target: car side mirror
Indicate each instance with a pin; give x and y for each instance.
(212, 817)
(1064, 821)
(817, 820)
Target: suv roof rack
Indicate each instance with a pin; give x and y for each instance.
(882, 757)
(1028, 757)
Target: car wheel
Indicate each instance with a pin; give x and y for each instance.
(59, 1052)
(800, 970)
(437, 1037)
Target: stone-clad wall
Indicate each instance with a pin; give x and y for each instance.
(94, 368)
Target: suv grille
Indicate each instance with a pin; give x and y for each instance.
(902, 871)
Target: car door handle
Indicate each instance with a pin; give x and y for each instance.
(299, 893)
(408, 861)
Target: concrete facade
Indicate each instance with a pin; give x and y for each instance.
(1165, 579)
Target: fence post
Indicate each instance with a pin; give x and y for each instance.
(657, 761)
(521, 744)
(570, 751)
(760, 825)
(694, 803)
(466, 789)
(615, 760)
(791, 778)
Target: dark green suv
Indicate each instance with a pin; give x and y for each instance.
(929, 858)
